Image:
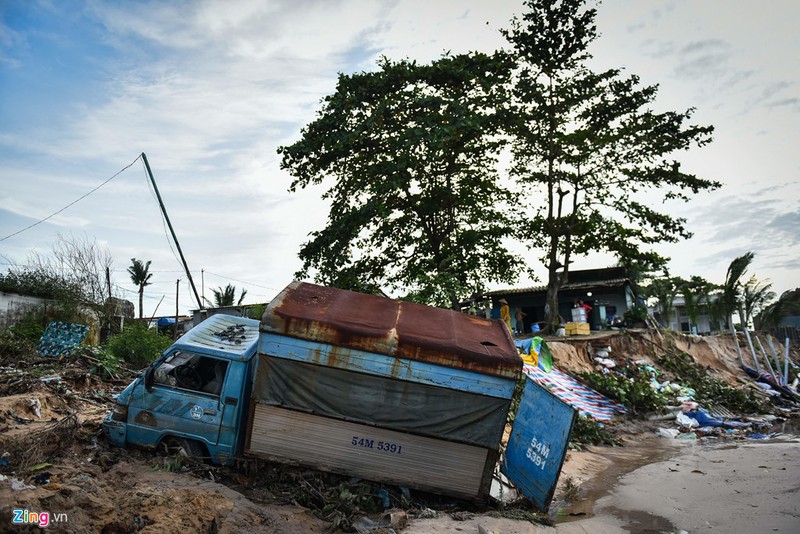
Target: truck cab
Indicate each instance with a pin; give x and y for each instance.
(194, 395)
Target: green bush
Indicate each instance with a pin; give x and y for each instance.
(30, 327)
(637, 314)
(634, 391)
(587, 431)
(138, 345)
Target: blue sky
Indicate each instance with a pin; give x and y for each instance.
(209, 90)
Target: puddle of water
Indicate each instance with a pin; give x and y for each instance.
(640, 522)
(623, 461)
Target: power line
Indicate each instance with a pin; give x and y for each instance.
(73, 202)
(241, 281)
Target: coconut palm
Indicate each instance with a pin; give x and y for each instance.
(140, 276)
(756, 294)
(227, 295)
(731, 290)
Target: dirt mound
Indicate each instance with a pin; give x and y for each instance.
(716, 353)
(131, 497)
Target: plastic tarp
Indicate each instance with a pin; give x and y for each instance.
(60, 338)
(381, 401)
(584, 399)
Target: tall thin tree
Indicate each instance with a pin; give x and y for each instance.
(586, 143)
(140, 276)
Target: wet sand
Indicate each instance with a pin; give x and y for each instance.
(747, 487)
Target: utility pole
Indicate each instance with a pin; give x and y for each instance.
(172, 231)
(175, 326)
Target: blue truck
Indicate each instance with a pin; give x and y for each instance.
(357, 384)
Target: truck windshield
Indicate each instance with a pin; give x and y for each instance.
(194, 372)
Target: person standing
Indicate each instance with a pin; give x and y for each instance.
(519, 316)
(505, 313)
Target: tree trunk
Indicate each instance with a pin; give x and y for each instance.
(141, 300)
(551, 315)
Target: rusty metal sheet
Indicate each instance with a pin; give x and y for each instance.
(386, 326)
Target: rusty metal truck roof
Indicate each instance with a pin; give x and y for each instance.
(397, 328)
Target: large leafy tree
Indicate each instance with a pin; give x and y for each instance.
(140, 274)
(586, 144)
(410, 156)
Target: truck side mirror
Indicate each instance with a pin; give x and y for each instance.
(148, 378)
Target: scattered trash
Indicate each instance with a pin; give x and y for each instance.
(51, 379)
(18, 485)
(685, 421)
(671, 433)
(395, 519)
(35, 406)
(42, 478)
(687, 435)
(692, 410)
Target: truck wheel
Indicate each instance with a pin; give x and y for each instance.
(193, 449)
(188, 447)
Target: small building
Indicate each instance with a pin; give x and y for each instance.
(678, 317)
(609, 291)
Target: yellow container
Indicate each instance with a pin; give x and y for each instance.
(575, 329)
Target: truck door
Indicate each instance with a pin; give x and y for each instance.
(538, 443)
(184, 400)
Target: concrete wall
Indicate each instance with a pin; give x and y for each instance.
(13, 307)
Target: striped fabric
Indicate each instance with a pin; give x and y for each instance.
(587, 401)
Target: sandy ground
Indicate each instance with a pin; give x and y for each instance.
(732, 488)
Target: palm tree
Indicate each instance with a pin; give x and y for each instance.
(755, 296)
(225, 296)
(140, 277)
(732, 287)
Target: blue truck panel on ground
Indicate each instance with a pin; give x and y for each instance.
(538, 443)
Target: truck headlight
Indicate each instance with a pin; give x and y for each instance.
(120, 413)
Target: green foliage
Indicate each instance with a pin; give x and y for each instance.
(138, 344)
(35, 282)
(15, 348)
(31, 326)
(256, 311)
(633, 391)
(587, 431)
(771, 315)
(637, 314)
(411, 154)
(105, 364)
(227, 296)
(709, 390)
(731, 289)
(585, 144)
(140, 276)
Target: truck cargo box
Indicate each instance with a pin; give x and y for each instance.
(383, 389)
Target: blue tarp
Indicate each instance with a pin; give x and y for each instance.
(166, 321)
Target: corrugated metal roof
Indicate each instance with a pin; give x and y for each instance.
(613, 282)
(385, 326)
(226, 333)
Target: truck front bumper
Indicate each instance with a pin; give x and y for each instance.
(115, 431)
